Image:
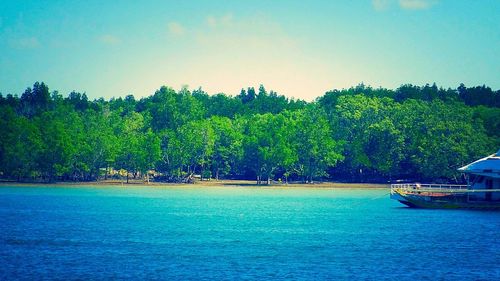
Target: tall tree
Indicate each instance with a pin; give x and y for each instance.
(228, 150)
(267, 145)
(313, 142)
(20, 144)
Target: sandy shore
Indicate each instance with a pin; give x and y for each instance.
(211, 183)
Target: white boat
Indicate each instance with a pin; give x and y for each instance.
(481, 192)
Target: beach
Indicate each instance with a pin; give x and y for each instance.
(200, 184)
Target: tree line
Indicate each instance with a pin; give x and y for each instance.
(356, 134)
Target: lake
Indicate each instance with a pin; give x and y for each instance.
(225, 233)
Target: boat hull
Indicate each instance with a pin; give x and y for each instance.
(456, 201)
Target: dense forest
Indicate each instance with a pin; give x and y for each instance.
(358, 134)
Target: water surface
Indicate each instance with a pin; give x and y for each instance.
(238, 233)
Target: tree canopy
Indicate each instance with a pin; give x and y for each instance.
(356, 134)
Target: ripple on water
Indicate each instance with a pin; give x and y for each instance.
(233, 233)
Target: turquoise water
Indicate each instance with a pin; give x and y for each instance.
(238, 233)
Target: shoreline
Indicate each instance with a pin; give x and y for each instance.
(198, 184)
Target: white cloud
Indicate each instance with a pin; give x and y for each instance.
(109, 39)
(212, 21)
(380, 5)
(24, 43)
(222, 21)
(175, 28)
(254, 32)
(415, 4)
(227, 19)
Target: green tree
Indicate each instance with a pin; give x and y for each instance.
(170, 110)
(312, 139)
(187, 150)
(440, 138)
(172, 157)
(228, 149)
(197, 138)
(267, 145)
(35, 100)
(352, 122)
(100, 146)
(20, 144)
(384, 146)
(61, 135)
(140, 147)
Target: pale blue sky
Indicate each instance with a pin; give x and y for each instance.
(297, 48)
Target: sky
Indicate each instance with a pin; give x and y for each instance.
(300, 49)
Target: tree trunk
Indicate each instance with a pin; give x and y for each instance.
(268, 180)
(127, 176)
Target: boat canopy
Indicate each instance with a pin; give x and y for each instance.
(488, 166)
